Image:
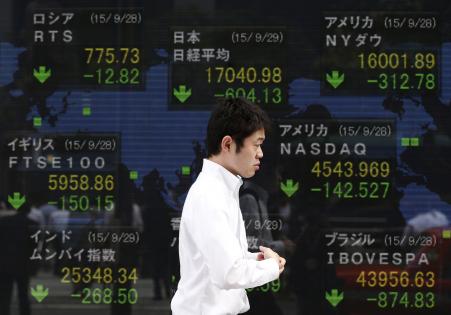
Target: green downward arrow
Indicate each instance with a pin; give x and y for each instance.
(289, 188)
(42, 75)
(182, 94)
(334, 298)
(335, 79)
(16, 201)
(39, 293)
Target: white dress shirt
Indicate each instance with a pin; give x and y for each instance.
(215, 264)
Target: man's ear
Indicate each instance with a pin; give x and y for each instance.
(226, 143)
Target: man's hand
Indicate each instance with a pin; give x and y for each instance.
(269, 253)
(282, 262)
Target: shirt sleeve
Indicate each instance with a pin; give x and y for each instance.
(253, 256)
(228, 265)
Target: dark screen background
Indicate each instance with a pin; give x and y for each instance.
(357, 240)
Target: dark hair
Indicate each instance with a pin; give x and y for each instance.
(235, 117)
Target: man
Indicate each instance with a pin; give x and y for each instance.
(254, 203)
(215, 264)
(15, 265)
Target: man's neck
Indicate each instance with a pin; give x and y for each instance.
(219, 160)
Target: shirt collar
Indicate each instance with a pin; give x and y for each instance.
(233, 182)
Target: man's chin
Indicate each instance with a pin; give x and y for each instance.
(249, 174)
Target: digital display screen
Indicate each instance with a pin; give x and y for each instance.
(104, 107)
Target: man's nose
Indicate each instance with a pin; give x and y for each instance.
(259, 153)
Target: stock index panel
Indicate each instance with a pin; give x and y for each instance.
(103, 113)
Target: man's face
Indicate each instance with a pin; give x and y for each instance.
(246, 162)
